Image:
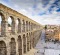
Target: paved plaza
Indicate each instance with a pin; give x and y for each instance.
(52, 52)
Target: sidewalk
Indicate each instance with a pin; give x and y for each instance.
(31, 52)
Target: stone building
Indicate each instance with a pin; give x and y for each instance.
(21, 39)
(53, 33)
(57, 34)
(49, 34)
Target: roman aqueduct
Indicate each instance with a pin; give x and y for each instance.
(22, 37)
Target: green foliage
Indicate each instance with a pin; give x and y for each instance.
(9, 25)
(45, 27)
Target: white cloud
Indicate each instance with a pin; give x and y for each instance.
(27, 8)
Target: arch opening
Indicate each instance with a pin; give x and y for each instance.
(19, 45)
(23, 22)
(29, 26)
(2, 18)
(24, 44)
(18, 25)
(3, 50)
(27, 42)
(12, 47)
(0, 24)
(11, 25)
(26, 25)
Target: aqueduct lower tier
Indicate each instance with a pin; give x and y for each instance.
(20, 38)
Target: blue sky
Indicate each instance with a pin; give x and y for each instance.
(42, 11)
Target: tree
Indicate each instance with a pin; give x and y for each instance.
(9, 25)
(45, 26)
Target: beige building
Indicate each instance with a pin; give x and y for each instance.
(20, 39)
(57, 35)
(53, 33)
(49, 34)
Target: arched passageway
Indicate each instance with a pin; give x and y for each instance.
(3, 50)
(12, 47)
(31, 41)
(27, 42)
(18, 25)
(2, 24)
(11, 25)
(29, 26)
(26, 25)
(19, 45)
(24, 44)
(23, 25)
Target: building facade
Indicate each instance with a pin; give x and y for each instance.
(53, 33)
(21, 39)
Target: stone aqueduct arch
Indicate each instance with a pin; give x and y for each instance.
(19, 25)
(19, 45)
(23, 36)
(24, 44)
(27, 42)
(3, 50)
(2, 22)
(12, 47)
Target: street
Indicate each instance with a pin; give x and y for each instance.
(46, 48)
